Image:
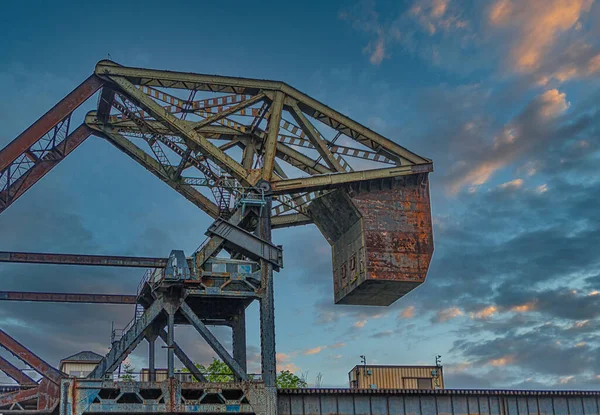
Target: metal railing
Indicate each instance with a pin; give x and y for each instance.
(161, 375)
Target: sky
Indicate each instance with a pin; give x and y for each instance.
(503, 95)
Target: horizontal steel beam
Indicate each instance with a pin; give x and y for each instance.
(246, 243)
(327, 181)
(73, 259)
(67, 297)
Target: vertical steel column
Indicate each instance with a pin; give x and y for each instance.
(238, 328)
(171, 345)
(151, 358)
(267, 305)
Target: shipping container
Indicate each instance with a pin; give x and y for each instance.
(396, 377)
(381, 237)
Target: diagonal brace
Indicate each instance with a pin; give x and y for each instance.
(26, 356)
(183, 358)
(213, 342)
(15, 373)
(121, 349)
(315, 139)
(185, 130)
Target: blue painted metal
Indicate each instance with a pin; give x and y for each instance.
(212, 341)
(131, 338)
(177, 267)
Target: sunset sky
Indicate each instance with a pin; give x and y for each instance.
(503, 95)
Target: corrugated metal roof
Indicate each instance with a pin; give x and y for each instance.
(85, 356)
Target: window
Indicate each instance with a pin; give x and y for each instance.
(219, 267)
(353, 262)
(424, 383)
(418, 383)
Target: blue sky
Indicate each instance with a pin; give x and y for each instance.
(501, 94)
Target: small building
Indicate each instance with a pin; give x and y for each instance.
(396, 377)
(81, 364)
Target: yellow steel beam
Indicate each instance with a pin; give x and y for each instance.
(154, 167)
(270, 145)
(183, 80)
(326, 181)
(209, 150)
(315, 138)
(229, 111)
(293, 219)
(308, 105)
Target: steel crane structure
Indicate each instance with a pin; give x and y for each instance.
(255, 155)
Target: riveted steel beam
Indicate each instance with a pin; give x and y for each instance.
(307, 104)
(8, 399)
(42, 166)
(155, 168)
(327, 181)
(183, 358)
(229, 111)
(270, 145)
(15, 373)
(121, 349)
(76, 259)
(27, 356)
(49, 120)
(209, 150)
(67, 297)
(315, 138)
(292, 219)
(246, 243)
(182, 80)
(212, 341)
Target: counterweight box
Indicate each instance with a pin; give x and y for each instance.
(381, 237)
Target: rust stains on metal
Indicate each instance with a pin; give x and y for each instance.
(50, 119)
(94, 260)
(67, 298)
(381, 235)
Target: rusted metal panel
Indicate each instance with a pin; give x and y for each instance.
(27, 356)
(382, 238)
(67, 297)
(64, 107)
(95, 260)
(15, 373)
(43, 166)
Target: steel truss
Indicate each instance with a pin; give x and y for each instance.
(252, 154)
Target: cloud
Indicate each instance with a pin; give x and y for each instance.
(402, 28)
(519, 138)
(502, 361)
(538, 24)
(337, 345)
(448, 314)
(314, 350)
(408, 312)
(485, 312)
(284, 363)
(359, 324)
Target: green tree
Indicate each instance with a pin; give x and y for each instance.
(288, 380)
(128, 371)
(218, 371)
